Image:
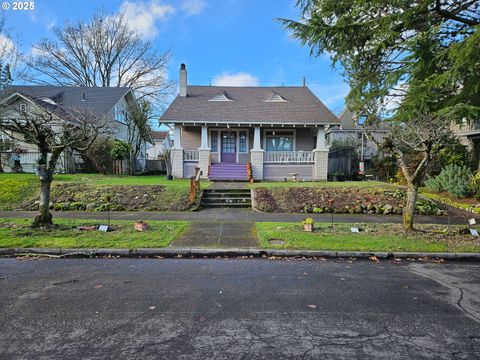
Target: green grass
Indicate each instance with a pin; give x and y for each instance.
(325, 184)
(382, 237)
(18, 233)
(16, 187)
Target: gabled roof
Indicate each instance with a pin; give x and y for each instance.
(346, 119)
(248, 106)
(98, 100)
(159, 135)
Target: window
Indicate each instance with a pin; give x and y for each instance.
(279, 140)
(242, 138)
(120, 114)
(214, 141)
(23, 108)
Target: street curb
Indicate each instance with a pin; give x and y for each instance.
(233, 252)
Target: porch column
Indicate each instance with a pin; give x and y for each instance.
(176, 153)
(256, 155)
(204, 154)
(320, 156)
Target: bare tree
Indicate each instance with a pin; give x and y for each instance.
(53, 129)
(105, 52)
(139, 129)
(414, 143)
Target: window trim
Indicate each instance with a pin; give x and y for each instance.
(293, 131)
(219, 141)
(116, 108)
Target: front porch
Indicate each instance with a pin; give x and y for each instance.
(274, 153)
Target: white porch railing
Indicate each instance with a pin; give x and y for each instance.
(288, 157)
(190, 155)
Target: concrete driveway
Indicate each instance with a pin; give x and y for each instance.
(238, 309)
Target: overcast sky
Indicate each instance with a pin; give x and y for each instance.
(223, 42)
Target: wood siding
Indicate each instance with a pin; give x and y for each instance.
(279, 172)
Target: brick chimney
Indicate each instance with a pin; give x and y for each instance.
(183, 80)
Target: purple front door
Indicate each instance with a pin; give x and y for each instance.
(229, 146)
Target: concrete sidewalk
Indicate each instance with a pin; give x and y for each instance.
(224, 214)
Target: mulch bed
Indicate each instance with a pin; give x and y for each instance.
(338, 200)
(71, 197)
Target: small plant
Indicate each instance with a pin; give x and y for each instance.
(475, 184)
(308, 224)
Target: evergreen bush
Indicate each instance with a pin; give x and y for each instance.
(454, 179)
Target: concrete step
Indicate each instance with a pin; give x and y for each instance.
(227, 202)
(226, 205)
(226, 195)
(226, 191)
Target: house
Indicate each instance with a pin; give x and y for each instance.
(280, 131)
(350, 136)
(111, 103)
(161, 142)
(469, 135)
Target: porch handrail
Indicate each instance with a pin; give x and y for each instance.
(288, 157)
(190, 155)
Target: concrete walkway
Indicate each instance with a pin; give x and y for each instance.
(224, 214)
(218, 234)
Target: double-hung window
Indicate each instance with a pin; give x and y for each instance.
(242, 141)
(214, 141)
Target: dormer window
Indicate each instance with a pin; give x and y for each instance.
(274, 97)
(221, 96)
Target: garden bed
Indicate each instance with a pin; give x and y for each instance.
(81, 197)
(338, 200)
(372, 237)
(18, 233)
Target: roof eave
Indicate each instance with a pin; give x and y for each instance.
(249, 123)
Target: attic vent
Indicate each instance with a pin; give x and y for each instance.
(274, 97)
(221, 96)
(48, 101)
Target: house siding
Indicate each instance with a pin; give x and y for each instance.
(278, 172)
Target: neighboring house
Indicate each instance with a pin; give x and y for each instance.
(351, 132)
(351, 135)
(279, 130)
(161, 141)
(110, 103)
(469, 135)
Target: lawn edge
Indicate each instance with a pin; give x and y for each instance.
(232, 252)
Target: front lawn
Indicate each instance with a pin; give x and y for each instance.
(373, 237)
(90, 191)
(18, 233)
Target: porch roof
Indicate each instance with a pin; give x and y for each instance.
(247, 107)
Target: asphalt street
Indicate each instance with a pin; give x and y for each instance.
(238, 309)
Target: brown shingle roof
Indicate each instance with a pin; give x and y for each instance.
(248, 106)
(159, 135)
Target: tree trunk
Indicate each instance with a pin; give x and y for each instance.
(409, 210)
(44, 218)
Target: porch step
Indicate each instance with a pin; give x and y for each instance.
(226, 198)
(225, 171)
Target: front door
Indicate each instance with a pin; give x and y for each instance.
(229, 146)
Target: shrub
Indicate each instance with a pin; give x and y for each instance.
(453, 179)
(475, 185)
(97, 158)
(120, 150)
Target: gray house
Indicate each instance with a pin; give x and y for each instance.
(280, 131)
(112, 104)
